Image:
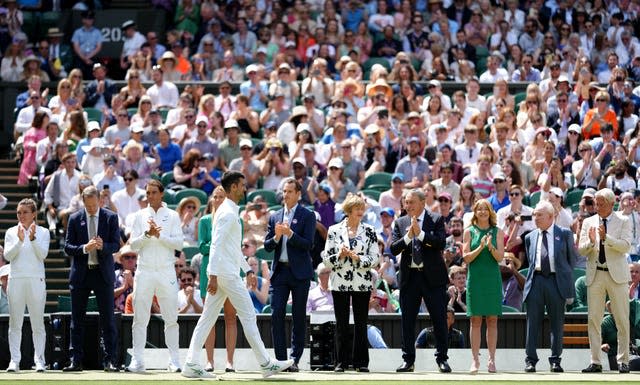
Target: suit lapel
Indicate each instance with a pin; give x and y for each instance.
(557, 244)
(534, 247)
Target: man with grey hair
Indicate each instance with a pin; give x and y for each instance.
(320, 297)
(420, 237)
(605, 239)
(551, 254)
(93, 235)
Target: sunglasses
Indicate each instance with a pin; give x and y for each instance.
(573, 133)
(123, 115)
(202, 125)
(333, 168)
(177, 266)
(245, 245)
(129, 257)
(584, 150)
(134, 77)
(128, 179)
(186, 280)
(443, 200)
(190, 207)
(63, 87)
(498, 181)
(245, 148)
(601, 100)
(514, 194)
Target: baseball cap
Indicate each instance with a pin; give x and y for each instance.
(299, 160)
(389, 211)
(413, 139)
(93, 126)
(137, 128)
(202, 119)
(589, 193)
(246, 143)
(557, 191)
(446, 195)
(398, 175)
(499, 176)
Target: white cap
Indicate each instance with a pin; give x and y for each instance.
(93, 125)
(137, 128)
(231, 123)
(303, 127)
(557, 191)
(251, 68)
(202, 118)
(336, 162)
(246, 143)
(299, 160)
(372, 129)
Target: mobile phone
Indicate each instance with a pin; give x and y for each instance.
(105, 187)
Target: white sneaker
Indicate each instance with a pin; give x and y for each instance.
(191, 370)
(173, 368)
(13, 367)
(40, 367)
(135, 367)
(274, 366)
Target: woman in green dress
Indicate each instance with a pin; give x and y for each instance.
(483, 250)
(230, 324)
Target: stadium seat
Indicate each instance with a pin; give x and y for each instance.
(264, 255)
(190, 251)
(266, 309)
(132, 111)
(167, 178)
(93, 114)
(64, 303)
(376, 60)
(371, 193)
(573, 197)
(169, 197)
(379, 178)
(163, 113)
(268, 195)
(534, 198)
(519, 97)
(577, 273)
(509, 309)
(192, 192)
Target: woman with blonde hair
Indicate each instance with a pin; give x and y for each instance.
(77, 88)
(351, 252)
(63, 103)
(142, 64)
(134, 90)
(500, 91)
(206, 107)
(483, 249)
(141, 117)
(230, 323)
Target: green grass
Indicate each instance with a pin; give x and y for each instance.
(341, 382)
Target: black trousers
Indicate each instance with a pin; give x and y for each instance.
(359, 345)
(413, 290)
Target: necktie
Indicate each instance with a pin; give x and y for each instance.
(416, 254)
(545, 266)
(93, 254)
(601, 256)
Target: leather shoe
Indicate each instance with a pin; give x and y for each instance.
(556, 368)
(74, 367)
(530, 368)
(109, 367)
(293, 368)
(443, 367)
(593, 368)
(405, 368)
(623, 368)
(363, 369)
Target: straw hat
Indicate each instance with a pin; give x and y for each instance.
(168, 55)
(358, 90)
(186, 201)
(379, 86)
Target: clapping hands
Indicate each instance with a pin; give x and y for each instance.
(154, 229)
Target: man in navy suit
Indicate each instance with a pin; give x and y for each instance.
(420, 237)
(290, 234)
(92, 238)
(551, 254)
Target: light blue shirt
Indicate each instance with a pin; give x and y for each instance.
(254, 101)
(87, 39)
(287, 217)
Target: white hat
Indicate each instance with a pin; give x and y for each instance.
(93, 125)
(246, 143)
(336, 162)
(557, 191)
(95, 143)
(575, 128)
(202, 118)
(231, 123)
(303, 127)
(262, 50)
(137, 128)
(372, 129)
(299, 160)
(251, 68)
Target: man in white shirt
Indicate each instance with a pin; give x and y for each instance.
(27, 245)
(132, 42)
(163, 94)
(61, 188)
(155, 235)
(45, 149)
(25, 116)
(189, 299)
(225, 261)
(126, 200)
(468, 152)
(494, 72)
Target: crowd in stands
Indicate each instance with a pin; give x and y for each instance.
(303, 110)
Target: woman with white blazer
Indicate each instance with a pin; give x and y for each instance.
(351, 252)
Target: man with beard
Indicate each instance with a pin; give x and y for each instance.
(512, 281)
(453, 247)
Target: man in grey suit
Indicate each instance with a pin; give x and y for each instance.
(551, 254)
(414, 167)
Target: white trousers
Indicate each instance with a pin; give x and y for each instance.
(234, 289)
(618, 293)
(31, 292)
(164, 286)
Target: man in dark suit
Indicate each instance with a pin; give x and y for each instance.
(420, 237)
(552, 255)
(290, 233)
(100, 90)
(92, 238)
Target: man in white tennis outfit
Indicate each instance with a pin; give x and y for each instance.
(26, 247)
(155, 234)
(225, 262)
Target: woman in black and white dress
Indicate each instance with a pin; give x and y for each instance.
(351, 251)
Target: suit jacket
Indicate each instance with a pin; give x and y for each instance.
(110, 89)
(564, 260)
(616, 245)
(299, 245)
(435, 270)
(78, 236)
(347, 275)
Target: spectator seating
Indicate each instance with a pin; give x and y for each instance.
(573, 197)
(268, 195)
(64, 303)
(264, 255)
(575, 336)
(192, 192)
(93, 114)
(509, 309)
(167, 178)
(534, 198)
(373, 194)
(380, 181)
(169, 197)
(189, 252)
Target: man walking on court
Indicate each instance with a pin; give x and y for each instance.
(225, 262)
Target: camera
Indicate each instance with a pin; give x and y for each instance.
(524, 218)
(105, 187)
